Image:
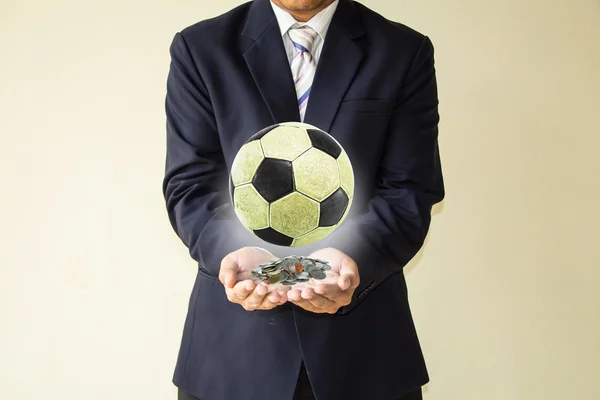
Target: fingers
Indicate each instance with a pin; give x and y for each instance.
(242, 289)
(294, 294)
(255, 297)
(282, 297)
(262, 301)
(308, 306)
(316, 300)
(228, 271)
(330, 290)
(309, 300)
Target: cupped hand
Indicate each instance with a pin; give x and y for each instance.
(235, 276)
(333, 292)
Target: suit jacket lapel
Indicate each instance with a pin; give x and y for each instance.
(340, 59)
(268, 63)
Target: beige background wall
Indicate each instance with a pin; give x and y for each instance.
(94, 284)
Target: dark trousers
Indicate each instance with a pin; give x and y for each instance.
(304, 390)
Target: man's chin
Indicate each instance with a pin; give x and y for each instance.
(312, 6)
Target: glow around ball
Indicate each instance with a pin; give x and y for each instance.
(291, 184)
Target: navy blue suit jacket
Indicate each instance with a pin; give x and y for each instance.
(375, 92)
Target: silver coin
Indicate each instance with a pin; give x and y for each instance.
(312, 270)
(319, 275)
(289, 264)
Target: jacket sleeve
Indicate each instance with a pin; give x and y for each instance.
(384, 238)
(195, 184)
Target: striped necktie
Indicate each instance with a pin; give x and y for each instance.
(303, 64)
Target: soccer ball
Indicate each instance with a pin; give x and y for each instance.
(291, 184)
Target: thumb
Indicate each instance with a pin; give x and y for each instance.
(348, 275)
(229, 271)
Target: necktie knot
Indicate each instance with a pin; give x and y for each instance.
(303, 37)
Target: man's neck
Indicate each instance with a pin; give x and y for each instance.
(304, 16)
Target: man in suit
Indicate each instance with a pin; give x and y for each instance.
(371, 84)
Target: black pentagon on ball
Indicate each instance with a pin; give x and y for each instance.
(272, 236)
(274, 179)
(259, 135)
(333, 208)
(324, 142)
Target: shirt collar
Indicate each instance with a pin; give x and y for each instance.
(320, 22)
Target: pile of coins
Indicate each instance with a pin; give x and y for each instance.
(290, 270)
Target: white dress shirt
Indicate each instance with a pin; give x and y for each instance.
(320, 23)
